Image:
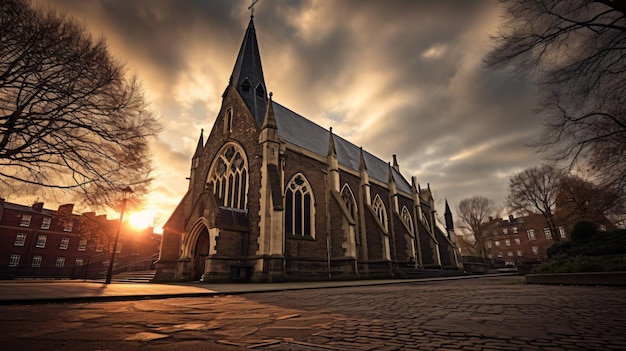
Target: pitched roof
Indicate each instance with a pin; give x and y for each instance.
(247, 75)
(304, 133)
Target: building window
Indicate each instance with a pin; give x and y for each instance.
(497, 242)
(517, 241)
(45, 224)
(82, 245)
(562, 232)
(99, 248)
(602, 228)
(20, 239)
(348, 199)
(509, 253)
(41, 241)
(37, 261)
(535, 249)
(505, 231)
(407, 219)
(228, 121)
(229, 176)
(14, 260)
(118, 248)
(299, 209)
(531, 234)
(65, 242)
(60, 262)
(514, 230)
(507, 242)
(381, 212)
(547, 233)
(25, 222)
(489, 245)
(78, 262)
(68, 225)
(260, 92)
(519, 253)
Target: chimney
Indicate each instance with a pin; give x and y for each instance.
(65, 210)
(38, 206)
(511, 218)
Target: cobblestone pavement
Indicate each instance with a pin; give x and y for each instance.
(475, 314)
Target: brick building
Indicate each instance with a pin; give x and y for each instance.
(524, 239)
(39, 242)
(272, 196)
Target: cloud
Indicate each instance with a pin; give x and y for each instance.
(396, 77)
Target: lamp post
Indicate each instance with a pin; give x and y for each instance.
(126, 191)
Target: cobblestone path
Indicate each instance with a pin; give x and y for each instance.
(474, 314)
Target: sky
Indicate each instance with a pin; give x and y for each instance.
(400, 77)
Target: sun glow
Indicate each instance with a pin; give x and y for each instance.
(142, 220)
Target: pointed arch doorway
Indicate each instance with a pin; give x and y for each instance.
(200, 253)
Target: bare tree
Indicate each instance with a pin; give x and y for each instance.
(70, 118)
(474, 215)
(535, 190)
(581, 199)
(576, 51)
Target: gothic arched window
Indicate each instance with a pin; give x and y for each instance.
(348, 199)
(381, 213)
(299, 208)
(407, 219)
(229, 175)
(228, 121)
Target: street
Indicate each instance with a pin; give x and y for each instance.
(493, 313)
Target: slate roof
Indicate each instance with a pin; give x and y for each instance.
(248, 67)
(302, 132)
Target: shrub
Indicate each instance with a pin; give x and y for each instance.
(583, 230)
(565, 264)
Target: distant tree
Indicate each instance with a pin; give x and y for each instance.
(474, 215)
(70, 118)
(576, 51)
(535, 190)
(579, 199)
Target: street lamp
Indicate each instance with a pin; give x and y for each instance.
(126, 193)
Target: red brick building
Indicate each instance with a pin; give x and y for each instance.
(524, 239)
(38, 242)
(273, 196)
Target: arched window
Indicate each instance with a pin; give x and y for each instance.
(229, 175)
(299, 209)
(381, 213)
(348, 199)
(407, 219)
(228, 121)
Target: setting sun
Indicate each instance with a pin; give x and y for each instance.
(143, 219)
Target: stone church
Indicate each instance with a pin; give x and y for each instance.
(275, 197)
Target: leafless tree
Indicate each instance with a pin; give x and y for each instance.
(576, 51)
(474, 215)
(581, 199)
(70, 117)
(535, 190)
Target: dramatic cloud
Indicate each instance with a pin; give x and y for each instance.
(396, 77)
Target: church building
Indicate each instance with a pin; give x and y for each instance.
(275, 197)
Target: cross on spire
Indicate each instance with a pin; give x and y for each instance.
(251, 8)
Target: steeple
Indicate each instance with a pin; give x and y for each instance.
(448, 217)
(200, 145)
(247, 77)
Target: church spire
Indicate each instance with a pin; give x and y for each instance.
(247, 77)
(200, 145)
(448, 216)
